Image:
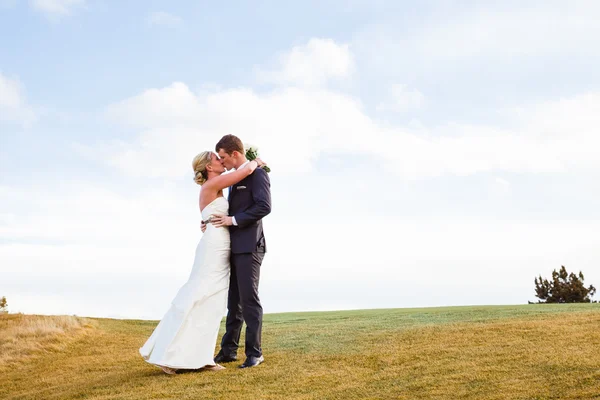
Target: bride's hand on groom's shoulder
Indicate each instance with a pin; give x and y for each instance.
(260, 162)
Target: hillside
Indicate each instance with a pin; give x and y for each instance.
(493, 352)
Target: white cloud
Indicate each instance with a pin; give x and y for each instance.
(175, 123)
(500, 187)
(163, 18)
(140, 246)
(312, 64)
(13, 105)
(402, 99)
(56, 9)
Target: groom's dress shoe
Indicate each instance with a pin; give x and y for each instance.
(252, 362)
(222, 358)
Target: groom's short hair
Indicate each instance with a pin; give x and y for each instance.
(229, 144)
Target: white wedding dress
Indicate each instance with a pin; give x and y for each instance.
(185, 338)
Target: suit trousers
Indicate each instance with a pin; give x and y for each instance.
(243, 304)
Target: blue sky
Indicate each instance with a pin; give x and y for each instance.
(417, 149)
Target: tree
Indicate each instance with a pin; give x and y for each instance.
(3, 305)
(563, 288)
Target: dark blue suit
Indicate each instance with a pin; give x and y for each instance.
(249, 202)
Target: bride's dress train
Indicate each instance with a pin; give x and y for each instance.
(186, 336)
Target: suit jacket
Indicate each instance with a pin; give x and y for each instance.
(249, 203)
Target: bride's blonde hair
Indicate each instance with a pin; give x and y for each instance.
(199, 164)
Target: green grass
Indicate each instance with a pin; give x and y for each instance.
(492, 352)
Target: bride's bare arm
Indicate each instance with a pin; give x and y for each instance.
(224, 181)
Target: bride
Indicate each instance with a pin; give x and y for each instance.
(185, 337)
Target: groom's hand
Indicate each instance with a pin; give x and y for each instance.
(203, 227)
(221, 220)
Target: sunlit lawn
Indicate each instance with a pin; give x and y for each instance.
(496, 352)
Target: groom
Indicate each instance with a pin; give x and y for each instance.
(249, 203)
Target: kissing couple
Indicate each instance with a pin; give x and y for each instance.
(226, 268)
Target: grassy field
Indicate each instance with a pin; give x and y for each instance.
(495, 352)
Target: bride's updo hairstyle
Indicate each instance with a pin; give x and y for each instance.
(199, 164)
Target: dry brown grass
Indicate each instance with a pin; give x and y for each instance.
(479, 353)
(22, 336)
